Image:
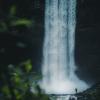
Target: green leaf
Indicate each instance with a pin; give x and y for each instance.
(22, 21)
(18, 95)
(28, 66)
(12, 10)
(5, 90)
(3, 27)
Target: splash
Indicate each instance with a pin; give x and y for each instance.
(66, 97)
(58, 66)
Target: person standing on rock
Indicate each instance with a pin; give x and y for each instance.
(76, 90)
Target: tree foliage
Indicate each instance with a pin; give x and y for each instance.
(16, 80)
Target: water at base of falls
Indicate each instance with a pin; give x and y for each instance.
(65, 87)
(58, 67)
(66, 97)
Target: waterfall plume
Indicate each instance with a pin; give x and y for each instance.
(58, 67)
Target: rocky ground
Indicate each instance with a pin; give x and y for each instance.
(90, 94)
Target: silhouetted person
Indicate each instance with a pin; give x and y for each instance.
(76, 90)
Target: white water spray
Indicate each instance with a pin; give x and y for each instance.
(58, 66)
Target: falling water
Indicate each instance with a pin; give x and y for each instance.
(58, 66)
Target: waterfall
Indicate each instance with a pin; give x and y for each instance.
(58, 67)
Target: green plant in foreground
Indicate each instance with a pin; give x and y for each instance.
(22, 78)
(12, 20)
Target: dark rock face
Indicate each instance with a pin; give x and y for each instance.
(90, 94)
(13, 49)
(87, 51)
